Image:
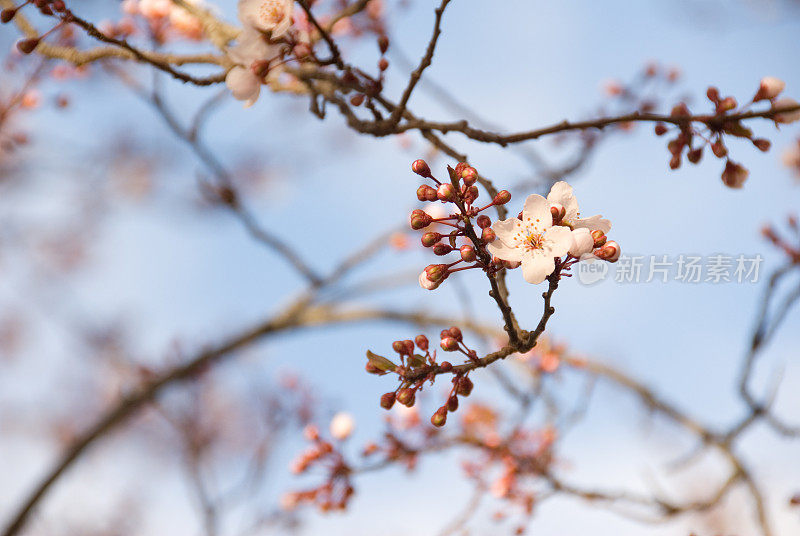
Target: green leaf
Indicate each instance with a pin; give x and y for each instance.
(380, 362)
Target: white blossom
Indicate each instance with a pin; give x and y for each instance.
(533, 240)
(342, 426)
(561, 194)
(274, 16)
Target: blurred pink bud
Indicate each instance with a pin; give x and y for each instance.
(769, 88)
(342, 426)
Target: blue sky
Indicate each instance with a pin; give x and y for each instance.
(180, 275)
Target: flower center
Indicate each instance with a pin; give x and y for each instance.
(534, 241)
(272, 12)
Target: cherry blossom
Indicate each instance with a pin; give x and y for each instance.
(250, 51)
(274, 16)
(561, 196)
(342, 426)
(534, 240)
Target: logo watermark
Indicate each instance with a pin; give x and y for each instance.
(692, 269)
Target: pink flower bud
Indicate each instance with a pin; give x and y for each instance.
(406, 397)
(445, 366)
(420, 167)
(734, 175)
(464, 386)
(468, 253)
(409, 346)
(429, 239)
(502, 197)
(442, 249)
(469, 175)
(599, 238)
(769, 88)
(719, 149)
(426, 283)
(424, 192)
(440, 417)
(488, 235)
(726, 105)
(436, 272)
(660, 129)
(449, 344)
(762, 144)
(609, 252)
(713, 94)
(422, 342)
(446, 192)
(420, 219)
(455, 332)
(452, 403)
(387, 400)
(483, 221)
(582, 242)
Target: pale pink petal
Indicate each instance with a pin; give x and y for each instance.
(561, 193)
(536, 215)
(536, 267)
(593, 223)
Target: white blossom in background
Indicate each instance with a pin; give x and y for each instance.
(342, 426)
(274, 16)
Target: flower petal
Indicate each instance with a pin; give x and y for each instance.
(561, 193)
(536, 267)
(582, 242)
(593, 223)
(536, 215)
(503, 251)
(558, 241)
(243, 84)
(509, 231)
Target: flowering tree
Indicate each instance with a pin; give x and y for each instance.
(189, 407)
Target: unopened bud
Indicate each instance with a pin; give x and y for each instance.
(420, 167)
(455, 332)
(420, 219)
(424, 193)
(599, 238)
(440, 417)
(726, 105)
(719, 149)
(409, 346)
(426, 283)
(734, 175)
(483, 221)
(468, 253)
(786, 117)
(445, 366)
(406, 397)
(558, 211)
(446, 192)
(422, 342)
(431, 238)
(762, 144)
(452, 403)
(26, 46)
(449, 344)
(488, 235)
(7, 14)
(383, 44)
(502, 197)
(713, 94)
(609, 252)
(387, 400)
(399, 347)
(695, 155)
(660, 129)
(469, 175)
(769, 88)
(464, 387)
(441, 249)
(372, 369)
(383, 64)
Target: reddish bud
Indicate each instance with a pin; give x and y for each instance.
(441, 249)
(726, 105)
(409, 346)
(455, 332)
(399, 347)
(423, 192)
(599, 238)
(436, 272)
(762, 144)
(464, 386)
(609, 252)
(502, 197)
(468, 253)
(452, 403)
(357, 100)
(769, 88)
(7, 14)
(713, 94)
(26, 46)
(383, 64)
(483, 221)
(488, 235)
(734, 175)
(719, 149)
(420, 167)
(387, 400)
(446, 192)
(695, 155)
(449, 344)
(422, 342)
(469, 175)
(675, 161)
(440, 417)
(406, 397)
(420, 219)
(383, 44)
(660, 129)
(445, 366)
(372, 369)
(558, 212)
(429, 239)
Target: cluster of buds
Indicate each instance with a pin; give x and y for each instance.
(459, 192)
(336, 491)
(790, 246)
(50, 8)
(725, 120)
(418, 365)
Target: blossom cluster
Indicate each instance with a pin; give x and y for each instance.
(692, 140)
(548, 234)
